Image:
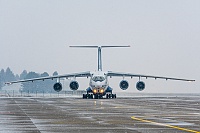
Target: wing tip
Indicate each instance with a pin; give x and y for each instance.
(8, 83)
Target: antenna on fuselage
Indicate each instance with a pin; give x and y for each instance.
(99, 52)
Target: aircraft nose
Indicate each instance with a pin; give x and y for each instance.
(98, 84)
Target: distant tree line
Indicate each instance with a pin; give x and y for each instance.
(39, 86)
(7, 75)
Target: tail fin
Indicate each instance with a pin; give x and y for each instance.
(99, 52)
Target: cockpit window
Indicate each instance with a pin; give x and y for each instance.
(98, 78)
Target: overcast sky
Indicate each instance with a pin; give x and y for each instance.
(164, 36)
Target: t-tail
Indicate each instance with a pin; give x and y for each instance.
(99, 52)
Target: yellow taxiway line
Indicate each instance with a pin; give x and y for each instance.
(166, 125)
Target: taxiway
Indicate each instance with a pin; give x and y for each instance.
(122, 115)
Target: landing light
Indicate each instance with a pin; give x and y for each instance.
(95, 91)
(101, 90)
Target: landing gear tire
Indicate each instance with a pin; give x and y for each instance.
(90, 96)
(84, 96)
(100, 97)
(114, 96)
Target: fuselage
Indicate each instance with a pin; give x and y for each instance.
(99, 82)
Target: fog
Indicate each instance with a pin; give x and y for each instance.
(35, 35)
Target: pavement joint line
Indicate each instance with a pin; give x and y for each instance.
(166, 125)
(26, 114)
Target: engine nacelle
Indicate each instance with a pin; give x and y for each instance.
(74, 85)
(140, 85)
(57, 87)
(123, 84)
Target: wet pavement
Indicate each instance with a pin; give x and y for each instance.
(121, 115)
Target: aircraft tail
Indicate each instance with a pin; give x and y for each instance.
(99, 52)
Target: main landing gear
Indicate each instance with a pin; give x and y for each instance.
(87, 96)
(111, 96)
(98, 96)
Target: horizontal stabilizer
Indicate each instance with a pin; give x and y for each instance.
(103, 46)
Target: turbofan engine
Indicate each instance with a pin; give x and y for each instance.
(123, 84)
(73, 85)
(57, 87)
(140, 85)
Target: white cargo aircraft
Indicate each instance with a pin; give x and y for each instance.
(98, 85)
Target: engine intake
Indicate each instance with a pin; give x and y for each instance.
(74, 85)
(123, 84)
(57, 87)
(140, 85)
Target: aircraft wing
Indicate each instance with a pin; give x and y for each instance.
(119, 74)
(73, 75)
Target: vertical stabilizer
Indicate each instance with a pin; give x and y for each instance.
(99, 52)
